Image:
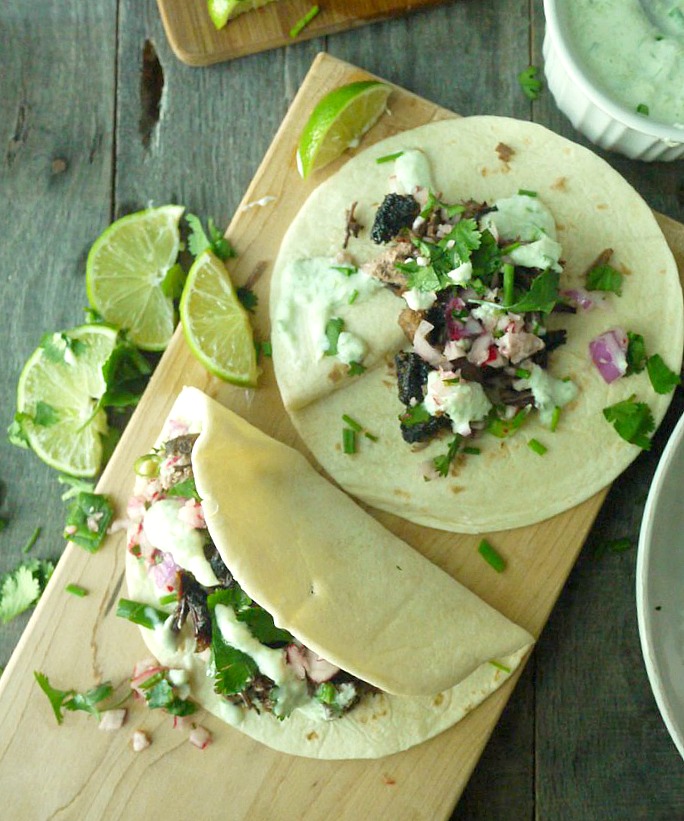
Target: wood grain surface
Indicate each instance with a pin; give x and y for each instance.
(196, 41)
(425, 781)
(99, 118)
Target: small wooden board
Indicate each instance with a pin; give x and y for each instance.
(195, 40)
(74, 771)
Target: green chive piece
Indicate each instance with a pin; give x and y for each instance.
(348, 440)
(303, 22)
(642, 108)
(33, 538)
(537, 447)
(523, 373)
(352, 297)
(389, 157)
(555, 418)
(346, 270)
(370, 436)
(500, 666)
(491, 556)
(353, 424)
(523, 192)
(472, 451)
(76, 590)
(170, 598)
(508, 283)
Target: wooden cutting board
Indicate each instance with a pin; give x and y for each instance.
(196, 41)
(78, 772)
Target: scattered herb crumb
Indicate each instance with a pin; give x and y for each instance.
(530, 82)
(492, 556)
(303, 22)
(76, 590)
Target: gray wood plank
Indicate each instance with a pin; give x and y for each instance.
(55, 177)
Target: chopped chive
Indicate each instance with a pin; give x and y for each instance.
(472, 451)
(333, 329)
(508, 248)
(353, 424)
(523, 373)
(523, 192)
(76, 590)
(537, 447)
(389, 157)
(266, 348)
(499, 666)
(508, 283)
(142, 614)
(304, 21)
(170, 598)
(347, 270)
(348, 440)
(370, 436)
(491, 556)
(555, 418)
(352, 297)
(642, 108)
(356, 369)
(33, 538)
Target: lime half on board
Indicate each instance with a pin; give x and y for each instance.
(338, 122)
(132, 275)
(57, 396)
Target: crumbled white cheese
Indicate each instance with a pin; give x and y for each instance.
(463, 402)
(418, 300)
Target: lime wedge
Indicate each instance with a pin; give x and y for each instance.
(130, 274)
(58, 390)
(216, 326)
(338, 122)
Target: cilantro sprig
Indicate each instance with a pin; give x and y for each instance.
(199, 241)
(21, 587)
(632, 420)
(71, 700)
(530, 83)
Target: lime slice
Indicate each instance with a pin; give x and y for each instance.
(130, 274)
(338, 122)
(216, 326)
(57, 393)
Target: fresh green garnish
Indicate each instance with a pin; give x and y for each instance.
(500, 666)
(170, 598)
(642, 108)
(259, 621)
(126, 374)
(346, 270)
(32, 539)
(555, 419)
(542, 296)
(662, 378)
(198, 241)
(524, 192)
(389, 157)
(451, 251)
(333, 329)
(537, 447)
(266, 348)
(636, 353)
(22, 587)
(356, 369)
(508, 283)
(604, 278)
(303, 22)
(160, 694)
(187, 489)
(415, 415)
(503, 428)
(434, 202)
(248, 299)
(348, 441)
(632, 420)
(492, 556)
(352, 297)
(443, 463)
(76, 590)
(530, 83)
(87, 520)
(61, 700)
(144, 615)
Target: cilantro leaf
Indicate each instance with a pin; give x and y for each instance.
(418, 277)
(87, 520)
(486, 259)
(434, 202)
(636, 353)
(233, 669)
(502, 428)
(604, 278)
(198, 241)
(662, 378)
(60, 347)
(415, 415)
(542, 296)
(465, 237)
(45, 416)
(263, 628)
(632, 420)
(530, 82)
(22, 587)
(16, 433)
(333, 329)
(443, 463)
(141, 614)
(187, 489)
(61, 700)
(126, 373)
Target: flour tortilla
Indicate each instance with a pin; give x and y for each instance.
(344, 586)
(508, 485)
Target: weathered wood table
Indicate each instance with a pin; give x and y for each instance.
(98, 118)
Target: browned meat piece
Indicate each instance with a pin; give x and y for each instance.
(383, 266)
(409, 320)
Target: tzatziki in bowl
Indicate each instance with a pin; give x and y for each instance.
(616, 69)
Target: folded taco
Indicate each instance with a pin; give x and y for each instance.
(493, 306)
(285, 609)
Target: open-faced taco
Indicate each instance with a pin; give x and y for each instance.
(285, 609)
(476, 324)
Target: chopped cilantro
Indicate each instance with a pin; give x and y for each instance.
(198, 241)
(604, 278)
(60, 347)
(141, 614)
(466, 238)
(530, 82)
(45, 416)
(542, 296)
(443, 463)
(662, 378)
(632, 420)
(415, 415)
(259, 621)
(33, 538)
(642, 108)
(87, 520)
(434, 202)
(333, 329)
(187, 489)
(356, 369)
(160, 694)
(126, 373)
(506, 427)
(61, 700)
(22, 587)
(248, 298)
(636, 353)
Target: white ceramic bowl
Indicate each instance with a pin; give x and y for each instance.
(605, 122)
(660, 586)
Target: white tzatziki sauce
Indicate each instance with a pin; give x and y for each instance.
(548, 391)
(412, 170)
(168, 533)
(315, 290)
(637, 64)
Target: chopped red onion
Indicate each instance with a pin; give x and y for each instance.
(609, 354)
(423, 347)
(200, 737)
(581, 298)
(112, 720)
(140, 741)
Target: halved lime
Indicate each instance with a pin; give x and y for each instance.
(57, 393)
(131, 273)
(338, 122)
(216, 326)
